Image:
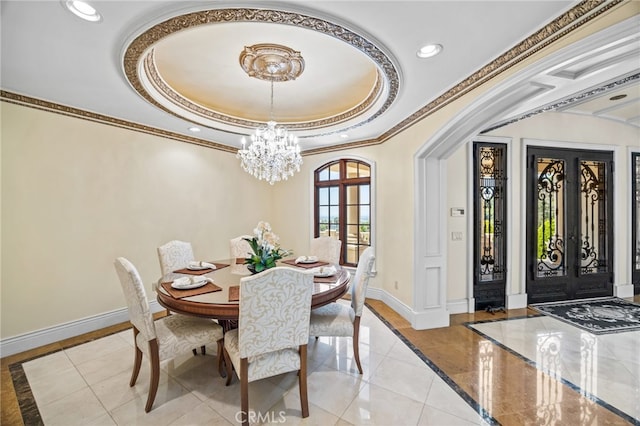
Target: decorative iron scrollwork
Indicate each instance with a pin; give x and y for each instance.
(592, 191)
(551, 244)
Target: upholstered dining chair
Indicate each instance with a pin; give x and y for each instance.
(174, 255)
(326, 248)
(165, 338)
(273, 331)
(337, 319)
(239, 248)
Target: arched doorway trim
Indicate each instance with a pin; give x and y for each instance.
(430, 209)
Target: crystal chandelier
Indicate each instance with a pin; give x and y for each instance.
(274, 153)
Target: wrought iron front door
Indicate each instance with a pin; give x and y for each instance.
(569, 224)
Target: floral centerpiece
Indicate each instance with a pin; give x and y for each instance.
(266, 249)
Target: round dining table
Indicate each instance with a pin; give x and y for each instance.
(223, 305)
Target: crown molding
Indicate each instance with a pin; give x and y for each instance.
(560, 27)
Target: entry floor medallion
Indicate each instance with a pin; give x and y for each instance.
(597, 316)
(604, 368)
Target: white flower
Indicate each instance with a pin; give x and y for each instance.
(269, 240)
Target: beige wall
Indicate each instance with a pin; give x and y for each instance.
(457, 178)
(76, 194)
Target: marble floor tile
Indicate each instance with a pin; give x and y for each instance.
(602, 366)
(375, 405)
(77, 408)
(518, 371)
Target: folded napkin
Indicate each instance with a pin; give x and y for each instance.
(196, 264)
(188, 281)
(307, 259)
(324, 271)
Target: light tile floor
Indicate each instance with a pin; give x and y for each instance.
(89, 385)
(608, 367)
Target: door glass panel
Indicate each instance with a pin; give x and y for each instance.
(364, 194)
(334, 171)
(352, 194)
(489, 204)
(550, 218)
(593, 218)
(352, 170)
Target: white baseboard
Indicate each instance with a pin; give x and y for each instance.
(403, 310)
(45, 336)
(460, 306)
(516, 301)
(432, 318)
(623, 291)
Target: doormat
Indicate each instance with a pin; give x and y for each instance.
(598, 316)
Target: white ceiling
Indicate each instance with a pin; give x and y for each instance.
(53, 56)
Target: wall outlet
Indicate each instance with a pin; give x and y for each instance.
(456, 236)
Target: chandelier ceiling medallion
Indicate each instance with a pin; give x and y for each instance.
(273, 154)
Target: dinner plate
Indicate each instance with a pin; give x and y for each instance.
(324, 272)
(189, 286)
(309, 259)
(197, 268)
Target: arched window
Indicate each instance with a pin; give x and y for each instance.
(343, 206)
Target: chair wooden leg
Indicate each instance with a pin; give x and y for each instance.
(137, 361)
(203, 350)
(221, 358)
(356, 345)
(302, 381)
(155, 374)
(244, 391)
(227, 361)
(195, 352)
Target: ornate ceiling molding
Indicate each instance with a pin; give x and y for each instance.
(573, 19)
(141, 50)
(271, 62)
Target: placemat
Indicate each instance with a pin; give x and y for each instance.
(201, 271)
(329, 279)
(234, 293)
(179, 294)
(305, 265)
(240, 260)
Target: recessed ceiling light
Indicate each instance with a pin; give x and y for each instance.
(429, 50)
(194, 129)
(83, 10)
(617, 97)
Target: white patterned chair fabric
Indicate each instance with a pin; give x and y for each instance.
(337, 319)
(238, 247)
(174, 255)
(273, 330)
(162, 339)
(327, 249)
